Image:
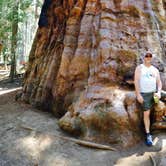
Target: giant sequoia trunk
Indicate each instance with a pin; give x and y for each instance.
(82, 63)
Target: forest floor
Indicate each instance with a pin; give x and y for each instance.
(29, 137)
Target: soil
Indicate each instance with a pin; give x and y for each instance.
(30, 137)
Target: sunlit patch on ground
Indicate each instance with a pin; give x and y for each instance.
(163, 143)
(58, 160)
(5, 91)
(160, 141)
(34, 145)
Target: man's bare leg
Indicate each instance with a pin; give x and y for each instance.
(149, 140)
(147, 121)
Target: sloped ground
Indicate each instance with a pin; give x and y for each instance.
(29, 137)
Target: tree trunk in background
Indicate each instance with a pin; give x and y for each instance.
(82, 62)
(14, 40)
(1, 46)
(36, 10)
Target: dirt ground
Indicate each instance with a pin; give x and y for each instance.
(29, 137)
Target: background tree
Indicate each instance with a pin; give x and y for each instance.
(19, 26)
(14, 39)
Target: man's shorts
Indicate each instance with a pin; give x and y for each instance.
(148, 101)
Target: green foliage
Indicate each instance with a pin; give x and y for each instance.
(18, 12)
(25, 4)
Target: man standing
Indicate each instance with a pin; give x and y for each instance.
(147, 85)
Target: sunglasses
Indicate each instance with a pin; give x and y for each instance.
(148, 56)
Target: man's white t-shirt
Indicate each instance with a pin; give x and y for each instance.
(148, 79)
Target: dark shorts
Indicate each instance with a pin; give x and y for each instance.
(148, 101)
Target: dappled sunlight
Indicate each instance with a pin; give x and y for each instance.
(160, 142)
(37, 147)
(6, 91)
(118, 101)
(33, 146)
(57, 160)
(163, 143)
(148, 155)
(155, 141)
(135, 159)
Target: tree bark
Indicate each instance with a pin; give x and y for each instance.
(82, 62)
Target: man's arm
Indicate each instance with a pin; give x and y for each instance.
(159, 84)
(136, 83)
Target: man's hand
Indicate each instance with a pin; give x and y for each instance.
(158, 94)
(140, 98)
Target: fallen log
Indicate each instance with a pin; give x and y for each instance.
(77, 141)
(27, 127)
(88, 143)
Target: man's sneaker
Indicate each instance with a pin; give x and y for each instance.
(149, 141)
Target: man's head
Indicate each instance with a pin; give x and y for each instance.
(147, 57)
(148, 54)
